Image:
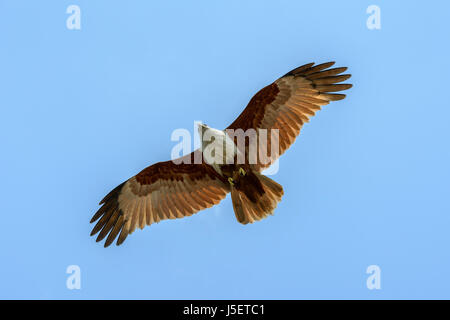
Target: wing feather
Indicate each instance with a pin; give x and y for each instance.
(291, 101)
(165, 190)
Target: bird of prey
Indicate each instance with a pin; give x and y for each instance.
(181, 187)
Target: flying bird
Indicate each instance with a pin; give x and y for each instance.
(181, 187)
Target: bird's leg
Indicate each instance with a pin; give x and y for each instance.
(231, 181)
(242, 171)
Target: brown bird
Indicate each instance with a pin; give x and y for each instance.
(184, 186)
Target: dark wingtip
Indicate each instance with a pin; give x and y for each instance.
(300, 69)
(338, 96)
(109, 214)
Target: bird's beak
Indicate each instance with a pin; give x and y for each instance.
(202, 127)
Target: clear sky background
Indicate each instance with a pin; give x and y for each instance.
(366, 183)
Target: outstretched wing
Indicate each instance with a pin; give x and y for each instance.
(289, 102)
(164, 190)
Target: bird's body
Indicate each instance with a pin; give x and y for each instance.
(230, 161)
(253, 197)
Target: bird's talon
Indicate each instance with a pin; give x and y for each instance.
(230, 180)
(242, 172)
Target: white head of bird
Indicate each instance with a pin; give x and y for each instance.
(217, 146)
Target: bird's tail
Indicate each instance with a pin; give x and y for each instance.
(255, 197)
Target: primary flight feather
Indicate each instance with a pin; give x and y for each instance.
(182, 187)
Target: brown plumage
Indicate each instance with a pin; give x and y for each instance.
(180, 188)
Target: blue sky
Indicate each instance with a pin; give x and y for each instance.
(366, 183)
